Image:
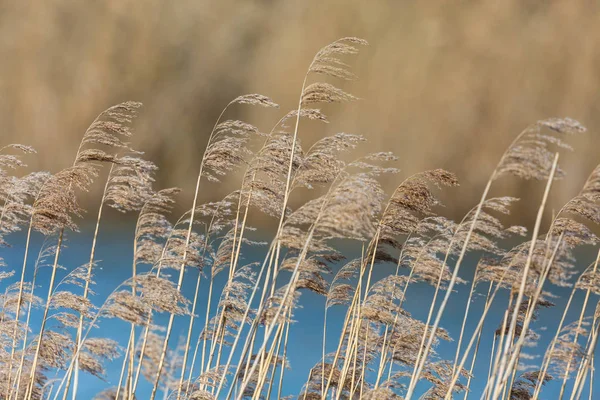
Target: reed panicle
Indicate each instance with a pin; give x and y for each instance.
(328, 200)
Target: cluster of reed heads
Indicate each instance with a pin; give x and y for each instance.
(381, 351)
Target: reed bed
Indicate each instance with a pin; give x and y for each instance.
(235, 345)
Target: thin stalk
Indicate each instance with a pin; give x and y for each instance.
(191, 327)
(141, 357)
(246, 358)
(338, 350)
(263, 363)
(592, 377)
(323, 350)
(488, 390)
(130, 377)
(349, 319)
(350, 348)
(464, 322)
(280, 386)
(491, 363)
(364, 364)
(508, 388)
(122, 375)
(358, 318)
(264, 368)
(354, 361)
(86, 287)
(44, 318)
(383, 358)
(582, 361)
(18, 311)
(28, 318)
(503, 338)
(548, 355)
(130, 349)
(580, 382)
(468, 385)
(207, 320)
(282, 343)
(576, 336)
(275, 269)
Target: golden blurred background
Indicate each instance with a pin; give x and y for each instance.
(443, 84)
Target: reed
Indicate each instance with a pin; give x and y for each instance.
(239, 342)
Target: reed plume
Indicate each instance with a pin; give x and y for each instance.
(346, 248)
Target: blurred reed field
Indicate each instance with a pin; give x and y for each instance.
(442, 84)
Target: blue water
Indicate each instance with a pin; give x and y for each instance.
(114, 253)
